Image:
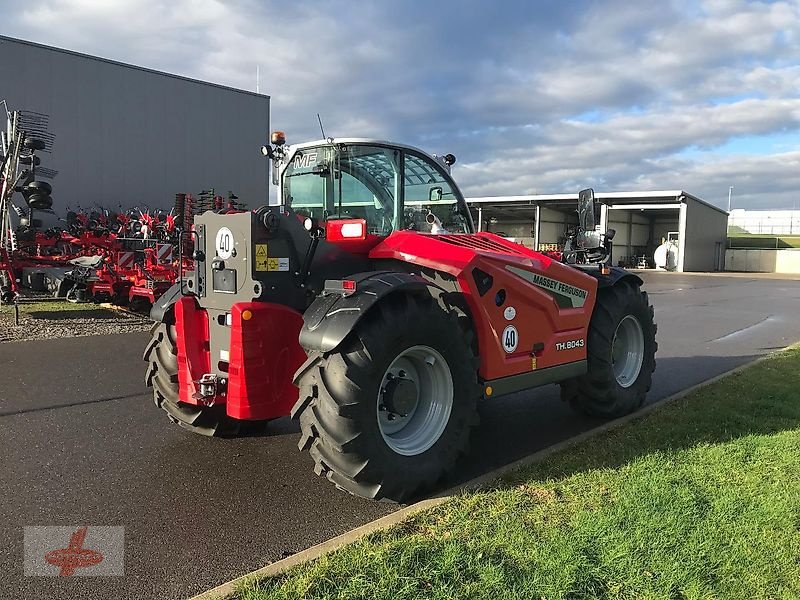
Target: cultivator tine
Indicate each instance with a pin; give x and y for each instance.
(36, 125)
(46, 173)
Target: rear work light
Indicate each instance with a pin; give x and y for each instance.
(345, 287)
(346, 229)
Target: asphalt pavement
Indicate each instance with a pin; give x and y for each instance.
(82, 443)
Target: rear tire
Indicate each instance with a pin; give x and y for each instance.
(621, 348)
(345, 396)
(162, 375)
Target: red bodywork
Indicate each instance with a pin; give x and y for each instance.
(538, 318)
(264, 354)
(265, 351)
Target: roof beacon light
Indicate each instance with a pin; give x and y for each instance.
(278, 138)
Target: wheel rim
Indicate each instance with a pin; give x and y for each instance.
(415, 400)
(627, 351)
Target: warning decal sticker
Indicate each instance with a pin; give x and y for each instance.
(261, 257)
(264, 262)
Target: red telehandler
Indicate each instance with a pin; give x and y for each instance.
(367, 307)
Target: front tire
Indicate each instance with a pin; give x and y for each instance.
(388, 413)
(621, 348)
(161, 355)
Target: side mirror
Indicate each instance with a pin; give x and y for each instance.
(610, 234)
(588, 238)
(586, 203)
(435, 194)
(321, 170)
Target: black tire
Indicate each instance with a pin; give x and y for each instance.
(598, 393)
(34, 144)
(162, 375)
(339, 394)
(37, 187)
(39, 202)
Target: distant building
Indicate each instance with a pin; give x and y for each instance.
(128, 136)
(642, 221)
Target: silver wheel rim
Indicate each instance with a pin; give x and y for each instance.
(414, 427)
(627, 351)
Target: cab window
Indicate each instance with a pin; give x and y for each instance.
(430, 202)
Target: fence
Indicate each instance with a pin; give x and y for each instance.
(767, 222)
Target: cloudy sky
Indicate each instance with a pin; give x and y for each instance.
(532, 96)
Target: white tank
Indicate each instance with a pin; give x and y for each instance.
(666, 256)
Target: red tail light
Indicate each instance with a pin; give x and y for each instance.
(346, 230)
(345, 287)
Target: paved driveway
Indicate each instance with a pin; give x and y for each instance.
(83, 444)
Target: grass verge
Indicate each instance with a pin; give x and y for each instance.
(700, 499)
(54, 309)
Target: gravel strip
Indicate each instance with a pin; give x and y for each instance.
(42, 325)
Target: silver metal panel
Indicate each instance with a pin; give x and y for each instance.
(704, 229)
(132, 136)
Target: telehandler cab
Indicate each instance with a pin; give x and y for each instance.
(368, 308)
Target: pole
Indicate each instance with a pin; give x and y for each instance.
(730, 193)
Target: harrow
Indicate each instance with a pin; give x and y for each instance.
(128, 257)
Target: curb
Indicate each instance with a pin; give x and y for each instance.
(227, 590)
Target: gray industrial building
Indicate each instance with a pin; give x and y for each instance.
(642, 221)
(127, 135)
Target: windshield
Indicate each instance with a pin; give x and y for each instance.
(364, 182)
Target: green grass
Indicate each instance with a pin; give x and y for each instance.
(699, 499)
(762, 241)
(58, 309)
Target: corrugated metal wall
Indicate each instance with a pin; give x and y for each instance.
(705, 237)
(130, 136)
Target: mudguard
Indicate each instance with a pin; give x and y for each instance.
(616, 275)
(331, 317)
(162, 304)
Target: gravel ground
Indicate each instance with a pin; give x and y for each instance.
(56, 319)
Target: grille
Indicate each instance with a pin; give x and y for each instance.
(477, 242)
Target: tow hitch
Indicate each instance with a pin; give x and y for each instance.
(210, 386)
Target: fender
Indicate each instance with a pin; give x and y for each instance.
(331, 317)
(616, 275)
(162, 304)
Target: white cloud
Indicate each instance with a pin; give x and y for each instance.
(502, 86)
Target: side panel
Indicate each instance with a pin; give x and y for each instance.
(534, 313)
(547, 329)
(704, 238)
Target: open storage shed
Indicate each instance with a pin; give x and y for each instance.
(642, 221)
